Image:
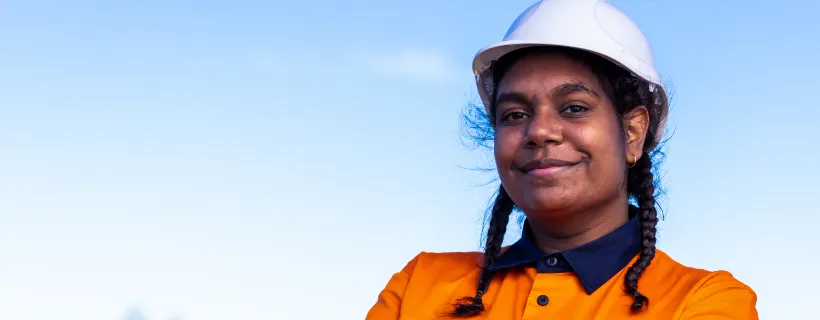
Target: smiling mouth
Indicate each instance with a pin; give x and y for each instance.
(546, 167)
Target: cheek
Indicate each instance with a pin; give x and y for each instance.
(605, 149)
(505, 142)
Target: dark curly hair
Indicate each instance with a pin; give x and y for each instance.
(626, 92)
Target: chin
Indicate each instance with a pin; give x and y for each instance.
(549, 201)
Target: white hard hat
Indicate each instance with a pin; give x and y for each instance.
(591, 25)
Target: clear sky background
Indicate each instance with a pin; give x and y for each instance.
(170, 160)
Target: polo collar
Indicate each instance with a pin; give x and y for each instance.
(594, 263)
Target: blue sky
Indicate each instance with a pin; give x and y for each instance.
(280, 160)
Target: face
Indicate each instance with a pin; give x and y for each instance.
(559, 143)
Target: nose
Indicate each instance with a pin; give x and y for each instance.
(544, 128)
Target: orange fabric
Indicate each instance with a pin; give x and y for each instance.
(431, 282)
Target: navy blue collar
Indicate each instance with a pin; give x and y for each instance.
(594, 263)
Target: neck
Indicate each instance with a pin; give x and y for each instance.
(567, 231)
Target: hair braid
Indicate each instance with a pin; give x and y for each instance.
(500, 216)
(641, 186)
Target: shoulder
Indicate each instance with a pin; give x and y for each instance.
(445, 262)
(663, 266)
(430, 271)
(420, 280)
(701, 292)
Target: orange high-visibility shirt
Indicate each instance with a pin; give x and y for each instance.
(582, 283)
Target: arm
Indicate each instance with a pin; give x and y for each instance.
(721, 297)
(388, 305)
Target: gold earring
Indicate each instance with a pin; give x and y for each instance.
(634, 161)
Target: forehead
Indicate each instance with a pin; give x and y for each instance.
(544, 72)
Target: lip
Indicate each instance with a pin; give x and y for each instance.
(545, 167)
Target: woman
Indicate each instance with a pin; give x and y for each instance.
(576, 108)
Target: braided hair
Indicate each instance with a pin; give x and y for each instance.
(626, 93)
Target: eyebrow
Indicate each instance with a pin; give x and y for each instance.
(573, 87)
(514, 96)
(561, 90)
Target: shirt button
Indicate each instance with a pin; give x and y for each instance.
(552, 261)
(543, 300)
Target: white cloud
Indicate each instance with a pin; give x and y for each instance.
(414, 64)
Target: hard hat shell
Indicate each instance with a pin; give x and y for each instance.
(590, 25)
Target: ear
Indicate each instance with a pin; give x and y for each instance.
(636, 124)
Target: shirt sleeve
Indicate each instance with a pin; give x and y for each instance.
(388, 305)
(721, 297)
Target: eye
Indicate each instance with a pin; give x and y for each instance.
(575, 109)
(514, 116)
